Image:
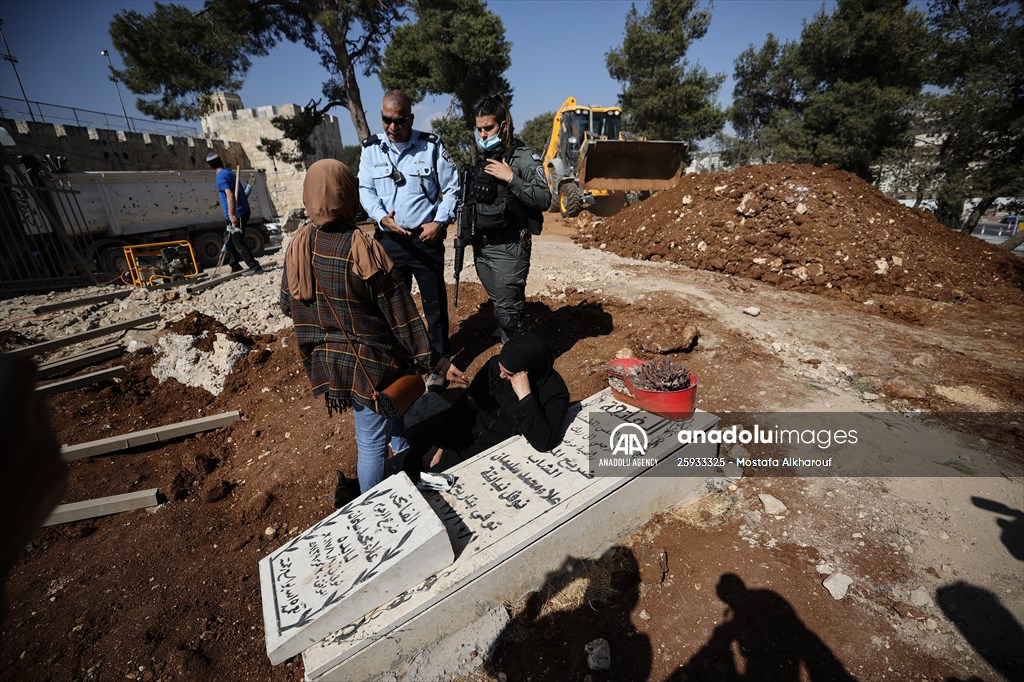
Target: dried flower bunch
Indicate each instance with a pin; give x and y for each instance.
(661, 375)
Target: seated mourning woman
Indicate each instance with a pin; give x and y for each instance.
(517, 393)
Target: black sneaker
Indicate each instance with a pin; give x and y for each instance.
(345, 490)
(258, 270)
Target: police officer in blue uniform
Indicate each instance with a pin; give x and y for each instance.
(409, 186)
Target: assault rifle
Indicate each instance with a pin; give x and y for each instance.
(465, 225)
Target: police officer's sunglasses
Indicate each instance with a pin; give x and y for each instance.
(400, 121)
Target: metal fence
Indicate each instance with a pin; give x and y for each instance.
(46, 245)
(22, 110)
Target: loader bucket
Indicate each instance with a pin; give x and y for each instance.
(620, 165)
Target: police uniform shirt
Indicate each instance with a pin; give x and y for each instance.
(529, 184)
(425, 188)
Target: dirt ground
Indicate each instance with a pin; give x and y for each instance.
(714, 591)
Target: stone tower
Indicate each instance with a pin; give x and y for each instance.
(229, 120)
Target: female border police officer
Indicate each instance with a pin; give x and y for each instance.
(510, 193)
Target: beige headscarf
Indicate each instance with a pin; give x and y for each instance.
(330, 194)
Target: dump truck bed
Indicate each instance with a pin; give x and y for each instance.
(138, 202)
(620, 165)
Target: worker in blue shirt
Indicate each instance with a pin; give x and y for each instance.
(408, 185)
(236, 211)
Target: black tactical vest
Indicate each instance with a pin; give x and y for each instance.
(495, 206)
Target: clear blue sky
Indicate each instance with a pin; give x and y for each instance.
(558, 49)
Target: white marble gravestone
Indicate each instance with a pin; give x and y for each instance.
(513, 515)
(385, 542)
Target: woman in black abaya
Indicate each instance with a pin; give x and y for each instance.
(517, 393)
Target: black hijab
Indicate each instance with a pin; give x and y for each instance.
(527, 353)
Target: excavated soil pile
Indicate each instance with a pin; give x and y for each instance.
(807, 228)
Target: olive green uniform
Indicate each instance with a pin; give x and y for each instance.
(502, 254)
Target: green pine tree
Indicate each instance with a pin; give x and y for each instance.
(455, 47)
(663, 96)
(175, 58)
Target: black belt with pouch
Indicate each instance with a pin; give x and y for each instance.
(505, 236)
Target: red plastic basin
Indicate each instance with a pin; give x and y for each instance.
(674, 405)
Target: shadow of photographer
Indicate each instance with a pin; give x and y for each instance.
(1013, 527)
(987, 625)
(761, 638)
(603, 612)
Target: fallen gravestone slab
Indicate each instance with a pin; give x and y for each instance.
(513, 516)
(154, 435)
(90, 357)
(79, 302)
(80, 381)
(383, 543)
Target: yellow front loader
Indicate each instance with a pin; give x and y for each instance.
(589, 160)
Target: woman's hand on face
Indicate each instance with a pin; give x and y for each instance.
(520, 384)
(500, 169)
(456, 376)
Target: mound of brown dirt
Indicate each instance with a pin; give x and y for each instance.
(195, 323)
(205, 329)
(813, 229)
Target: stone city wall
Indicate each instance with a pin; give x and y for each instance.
(99, 149)
(234, 135)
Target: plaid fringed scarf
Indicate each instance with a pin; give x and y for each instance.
(354, 271)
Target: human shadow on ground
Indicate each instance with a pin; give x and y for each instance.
(1013, 528)
(561, 328)
(772, 642)
(986, 624)
(544, 642)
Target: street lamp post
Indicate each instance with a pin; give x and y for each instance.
(117, 87)
(7, 56)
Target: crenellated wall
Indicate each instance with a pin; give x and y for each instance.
(98, 149)
(248, 126)
(233, 134)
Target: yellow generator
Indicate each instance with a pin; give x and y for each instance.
(150, 265)
(590, 160)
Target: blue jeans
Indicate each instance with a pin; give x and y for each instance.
(373, 431)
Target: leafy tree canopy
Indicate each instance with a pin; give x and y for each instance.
(844, 94)
(177, 58)
(663, 97)
(978, 68)
(861, 69)
(454, 47)
(536, 133)
(457, 138)
(766, 81)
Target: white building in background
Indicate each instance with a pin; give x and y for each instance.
(706, 162)
(230, 120)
